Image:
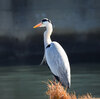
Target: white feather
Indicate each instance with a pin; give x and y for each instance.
(58, 62)
(43, 60)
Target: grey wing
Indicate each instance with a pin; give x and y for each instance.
(58, 62)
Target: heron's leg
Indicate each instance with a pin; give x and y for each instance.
(54, 79)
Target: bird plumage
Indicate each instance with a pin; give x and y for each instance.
(55, 55)
(58, 63)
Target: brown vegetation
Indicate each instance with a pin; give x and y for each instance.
(57, 91)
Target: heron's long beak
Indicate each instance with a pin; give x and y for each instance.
(38, 25)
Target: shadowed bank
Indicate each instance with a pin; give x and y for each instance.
(80, 48)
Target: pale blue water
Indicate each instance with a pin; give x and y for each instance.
(27, 82)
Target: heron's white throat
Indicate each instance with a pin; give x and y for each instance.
(47, 34)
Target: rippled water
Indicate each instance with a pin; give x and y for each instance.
(27, 82)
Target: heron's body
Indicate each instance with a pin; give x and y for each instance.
(58, 62)
(56, 57)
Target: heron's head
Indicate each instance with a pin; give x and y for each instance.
(44, 23)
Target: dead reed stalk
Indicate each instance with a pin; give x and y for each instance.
(57, 91)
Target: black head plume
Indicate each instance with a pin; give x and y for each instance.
(45, 19)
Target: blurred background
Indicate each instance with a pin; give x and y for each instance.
(76, 27)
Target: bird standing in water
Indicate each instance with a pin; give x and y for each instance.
(55, 55)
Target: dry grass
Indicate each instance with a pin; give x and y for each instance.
(57, 91)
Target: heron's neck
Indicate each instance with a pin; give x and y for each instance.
(47, 34)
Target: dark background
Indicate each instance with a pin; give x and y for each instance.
(76, 27)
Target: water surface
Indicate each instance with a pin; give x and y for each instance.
(27, 82)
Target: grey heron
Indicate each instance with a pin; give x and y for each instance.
(55, 55)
